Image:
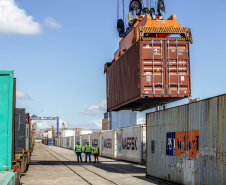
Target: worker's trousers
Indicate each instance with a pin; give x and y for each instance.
(79, 156)
(88, 154)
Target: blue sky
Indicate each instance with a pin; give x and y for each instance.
(57, 50)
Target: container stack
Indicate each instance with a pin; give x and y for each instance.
(17, 145)
(121, 119)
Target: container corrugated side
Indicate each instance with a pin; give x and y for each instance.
(186, 144)
(106, 124)
(7, 178)
(108, 142)
(27, 137)
(124, 118)
(68, 142)
(131, 144)
(72, 142)
(6, 112)
(151, 73)
(84, 139)
(20, 129)
(50, 142)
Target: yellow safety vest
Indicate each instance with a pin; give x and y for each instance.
(88, 148)
(78, 148)
(95, 150)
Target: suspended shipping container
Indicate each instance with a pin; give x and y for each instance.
(186, 144)
(151, 73)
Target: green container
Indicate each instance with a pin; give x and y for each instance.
(7, 178)
(6, 111)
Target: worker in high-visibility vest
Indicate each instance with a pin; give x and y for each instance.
(88, 151)
(96, 153)
(78, 150)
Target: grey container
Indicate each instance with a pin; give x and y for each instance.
(20, 130)
(186, 144)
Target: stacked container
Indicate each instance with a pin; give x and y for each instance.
(131, 144)
(186, 144)
(6, 112)
(108, 141)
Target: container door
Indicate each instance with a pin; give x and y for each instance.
(177, 67)
(152, 77)
(6, 107)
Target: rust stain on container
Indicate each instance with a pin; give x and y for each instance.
(151, 73)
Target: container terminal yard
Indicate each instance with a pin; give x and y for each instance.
(148, 129)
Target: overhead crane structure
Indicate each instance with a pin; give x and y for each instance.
(48, 119)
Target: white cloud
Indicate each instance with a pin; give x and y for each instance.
(96, 109)
(141, 121)
(22, 95)
(14, 20)
(42, 124)
(50, 22)
(91, 125)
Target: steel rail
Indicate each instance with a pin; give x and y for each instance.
(80, 166)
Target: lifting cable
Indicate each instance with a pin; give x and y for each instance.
(117, 9)
(123, 4)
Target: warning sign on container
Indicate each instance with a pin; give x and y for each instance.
(157, 70)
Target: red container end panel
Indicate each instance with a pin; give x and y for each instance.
(151, 73)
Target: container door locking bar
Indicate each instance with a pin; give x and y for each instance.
(162, 67)
(168, 66)
(153, 70)
(178, 85)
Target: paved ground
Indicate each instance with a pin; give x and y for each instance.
(54, 165)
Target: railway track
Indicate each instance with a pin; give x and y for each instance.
(81, 166)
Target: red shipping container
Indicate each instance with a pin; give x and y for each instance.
(150, 73)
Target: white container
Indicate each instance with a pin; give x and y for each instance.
(61, 142)
(67, 133)
(45, 134)
(38, 141)
(50, 134)
(68, 142)
(72, 142)
(84, 139)
(108, 142)
(64, 142)
(187, 144)
(77, 138)
(55, 142)
(83, 132)
(131, 144)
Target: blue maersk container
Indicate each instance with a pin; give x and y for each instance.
(6, 112)
(50, 142)
(122, 119)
